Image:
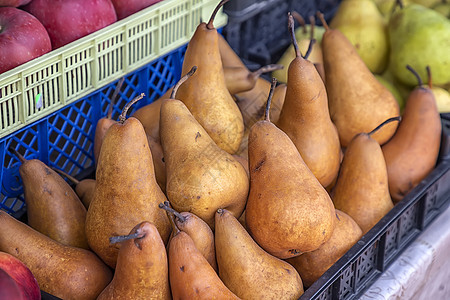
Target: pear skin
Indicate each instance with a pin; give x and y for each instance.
(64, 271)
(288, 211)
(413, 151)
(357, 101)
(142, 270)
(83, 188)
(201, 177)
(158, 161)
(148, 115)
(246, 269)
(53, 207)
(313, 264)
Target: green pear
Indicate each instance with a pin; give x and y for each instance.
(362, 23)
(393, 89)
(443, 8)
(442, 99)
(426, 3)
(419, 37)
(386, 7)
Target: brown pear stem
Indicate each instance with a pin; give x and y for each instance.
(123, 115)
(399, 118)
(175, 228)
(322, 19)
(419, 80)
(210, 24)
(312, 21)
(181, 81)
(310, 47)
(300, 20)
(399, 3)
(121, 238)
(220, 211)
(269, 99)
(18, 155)
(73, 179)
(292, 32)
(171, 210)
(430, 83)
(266, 69)
(114, 97)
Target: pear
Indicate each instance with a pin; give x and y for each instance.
(364, 26)
(84, 188)
(191, 276)
(158, 161)
(387, 7)
(442, 8)
(306, 120)
(142, 270)
(206, 94)
(313, 264)
(53, 208)
(240, 79)
(126, 191)
(64, 271)
(412, 152)
(426, 3)
(442, 99)
(246, 269)
(361, 189)
(288, 211)
(419, 37)
(357, 101)
(393, 89)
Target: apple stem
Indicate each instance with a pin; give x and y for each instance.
(419, 80)
(181, 81)
(266, 69)
(121, 238)
(18, 155)
(430, 84)
(300, 19)
(166, 207)
(292, 32)
(322, 19)
(269, 99)
(210, 24)
(122, 116)
(114, 97)
(399, 118)
(310, 47)
(73, 179)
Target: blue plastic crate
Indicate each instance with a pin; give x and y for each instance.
(65, 138)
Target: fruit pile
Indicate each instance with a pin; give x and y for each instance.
(228, 186)
(31, 28)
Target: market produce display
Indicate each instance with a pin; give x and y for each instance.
(226, 188)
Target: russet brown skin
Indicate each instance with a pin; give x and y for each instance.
(85, 190)
(412, 152)
(248, 270)
(361, 189)
(313, 264)
(142, 270)
(53, 207)
(100, 131)
(148, 115)
(126, 190)
(158, 161)
(63, 271)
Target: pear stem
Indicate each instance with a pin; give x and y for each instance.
(266, 69)
(399, 3)
(269, 99)
(430, 83)
(122, 116)
(210, 24)
(419, 80)
(310, 47)
(322, 19)
(73, 179)
(312, 21)
(114, 97)
(399, 118)
(300, 20)
(121, 238)
(170, 209)
(292, 31)
(181, 81)
(18, 155)
(171, 217)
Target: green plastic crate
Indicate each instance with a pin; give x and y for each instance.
(68, 73)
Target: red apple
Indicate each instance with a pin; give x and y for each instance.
(22, 38)
(9, 288)
(124, 8)
(14, 3)
(23, 277)
(69, 20)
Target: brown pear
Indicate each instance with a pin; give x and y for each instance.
(206, 94)
(241, 79)
(412, 152)
(142, 270)
(148, 115)
(313, 264)
(305, 117)
(158, 161)
(53, 208)
(64, 271)
(104, 123)
(126, 191)
(288, 211)
(191, 276)
(246, 269)
(361, 189)
(358, 102)
(83, 188)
